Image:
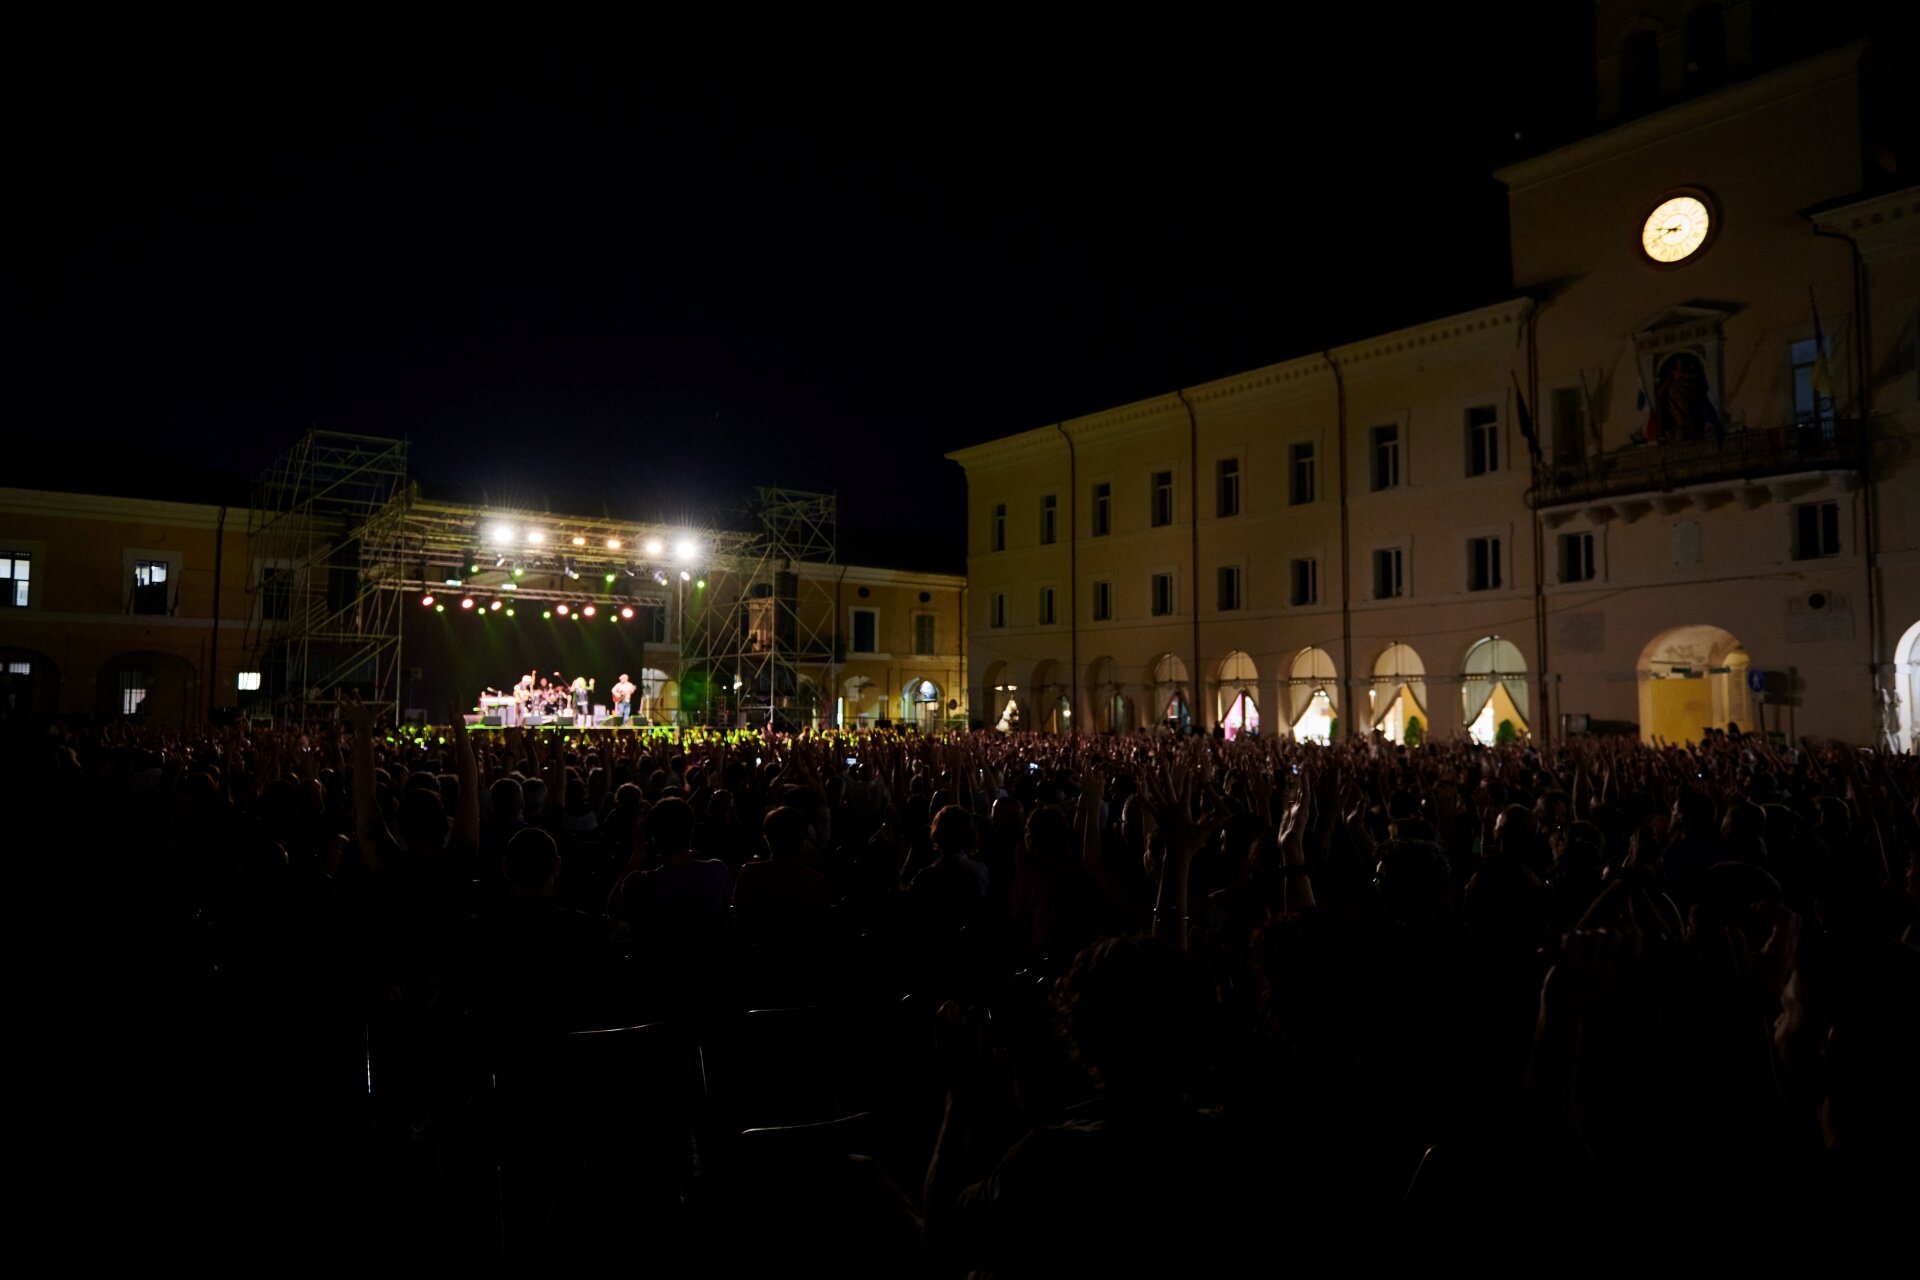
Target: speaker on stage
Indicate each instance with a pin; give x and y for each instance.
(490, 722)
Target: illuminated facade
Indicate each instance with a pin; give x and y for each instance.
(1723, 524)
(108, 608)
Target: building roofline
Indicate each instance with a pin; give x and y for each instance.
(1684, 117)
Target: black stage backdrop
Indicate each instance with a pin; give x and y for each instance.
(446, 659)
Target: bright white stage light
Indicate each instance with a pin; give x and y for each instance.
(534, 535)
(686, 550)
(613, 544)
(579, 541)
(503, 533)
(653, 547)
(685, 576)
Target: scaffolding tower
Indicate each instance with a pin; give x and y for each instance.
(326, 538)
(761, 645)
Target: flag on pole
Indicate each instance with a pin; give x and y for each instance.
(1822, 377)
(1652, 430)
(1524, 418)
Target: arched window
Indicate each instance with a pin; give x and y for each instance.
(1706, 45)
(1639, 71)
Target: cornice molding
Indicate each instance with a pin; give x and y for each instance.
(1684, 117)
(86, 506)
(1880, 224)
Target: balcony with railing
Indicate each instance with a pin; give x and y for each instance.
(1744, 455)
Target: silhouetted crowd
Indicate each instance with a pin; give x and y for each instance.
(997, 1004)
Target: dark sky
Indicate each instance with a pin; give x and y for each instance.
(636, 273)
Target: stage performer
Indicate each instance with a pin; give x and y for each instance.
(582, 703)
(623, 691)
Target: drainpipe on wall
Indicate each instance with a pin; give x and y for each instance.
(213, 646)
(1193, 525)
(1073, 576)
(1863, 407)
(1351, 711)
(1544, 716)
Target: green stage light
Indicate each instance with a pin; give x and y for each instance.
(546, 613)
(473, 568)
(609, 577)
(439, 608)
(509, 613)
(518, 572)
(701, 585)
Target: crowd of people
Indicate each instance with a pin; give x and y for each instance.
(1097, 1005)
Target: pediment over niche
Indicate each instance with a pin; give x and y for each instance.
(1680, 326)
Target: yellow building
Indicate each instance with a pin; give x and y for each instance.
(118, 606)
(1722, 524)
(108, 607)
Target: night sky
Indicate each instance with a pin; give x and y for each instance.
(640, 274)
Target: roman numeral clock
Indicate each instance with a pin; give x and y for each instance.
(1677, 229)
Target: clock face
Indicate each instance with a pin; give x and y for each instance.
(1676, 229)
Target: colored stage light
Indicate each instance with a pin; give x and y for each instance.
(473, 568)
(546, 613)
(574, 616)
(579, 541)
(613, 544)
(700, 585)
(560, 609)
(518, 572)
(653, 547)
(426, 599)
(467, 603)
(439, 608)
(626, 611)
(685, 576)
(495, 606)
(509, 613)
(588, 611)
(610, 577)
(510, 586)
(451, 582)
(534, 535)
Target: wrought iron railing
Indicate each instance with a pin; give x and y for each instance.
(1744, 455)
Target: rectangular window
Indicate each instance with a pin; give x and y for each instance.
(1809, 407)
(133, 691)
(17, 668)
(923, 635)
(1305, 588)
(1483, 440)
(1162, 498)
(1385, 442)
(997, 609)
(1103, 602)
(1301, 480)
(149, 587)
(1389, 577)
(1816, 530)
(1226, 485)
(1162, 594)
(1049, 520)
(1576, 557)
(16, 577)
(1568, 408)
(1229, 587)
(1483, 564)
(247, 681)
(1046, 607)
(1102, 509)
(999, 526)
(866, 631)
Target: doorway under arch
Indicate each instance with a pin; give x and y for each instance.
(1170, 684)
(1313, 696)
(29, 684)
(1108, 696)
(1399, 691)
(1906, 695)
(1693, 678)
(1236, 704)
(1493, 690)
(920, 704)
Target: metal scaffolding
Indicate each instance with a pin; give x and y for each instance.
(325, 533)
(761, 645)
(340, 542)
